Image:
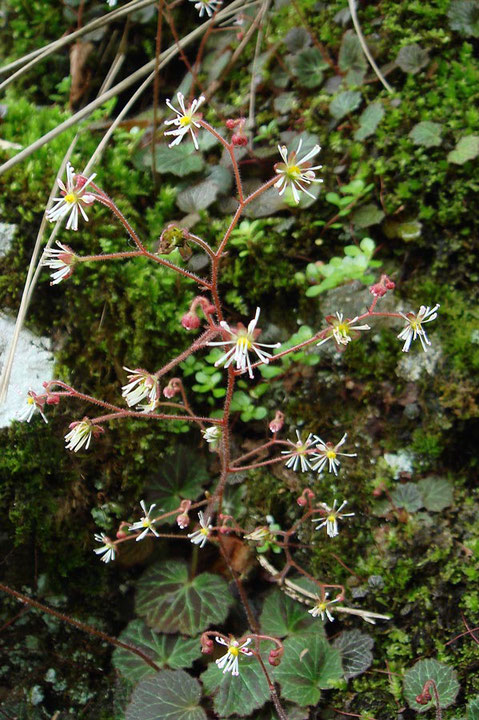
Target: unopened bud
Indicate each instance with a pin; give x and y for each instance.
(172, 388)
(122, 530)
(53, 399)
(206, 645)
(380, 288)
(275, 656)
(190, 321)
(231, 124)
(239, 139)
(278, 422)
(305, 495)
(183, 521)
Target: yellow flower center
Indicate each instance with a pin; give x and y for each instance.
(343, 329)
(331, 518)
(70, 198)
(415, 325)
(244, 343)
(146, 522)
(30, 401)
(204, 531)
(185, 120)
(294, 172)
(233, 650)
(321, 606)
(330, 454)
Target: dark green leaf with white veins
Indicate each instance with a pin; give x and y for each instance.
(309, 665)
(355, 648)
(446, 683)
(309, 66)
(181, 476)
(168, 695)
(344, 103)
(180, 160)
(283, 616)
(172, 602)
(169, 651)
(427, 134)
(412, 58)
(237, 695)
(369, 120)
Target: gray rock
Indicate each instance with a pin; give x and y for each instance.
(416, 362)
(7, 231)
(33, 364)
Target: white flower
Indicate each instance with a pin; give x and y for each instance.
(146, 523)
(142, 385)
(108, 550)
(413, 328)
(213, 435)
(327, 453)
(80, 435)
(33, 402)
(341, 330)
(200, 536)
(186, 120)
(207, 6)
(242, 341)
(300, 452)
(332, 517)
(61, 261)
(111, 3)
(296, 173)
(229, 661)
(322, 608)
(74, 198)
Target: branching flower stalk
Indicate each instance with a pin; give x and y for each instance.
(243, 353)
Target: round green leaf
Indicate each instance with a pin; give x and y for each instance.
(436, 492)
(309, 664)
(369, 120)
(181, 476)
(309, 66)
(412, 58)
(344, 103)
(355, 648)
(167, 651)
(172, 602)
(283, 616)
(407, 496)
(464, 17)
(427, 134)
(444, 677)
(237, 695)
(466, 149)
(168, 695)
(180, 160)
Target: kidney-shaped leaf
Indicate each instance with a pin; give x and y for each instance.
(436, 492)
(309, 664)
(237, 695)
(165, 650)
(283, 616)
(172, 602)
(355, 648)
(444, 677)
(168, 695)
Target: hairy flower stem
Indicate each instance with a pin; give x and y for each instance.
(81, 626)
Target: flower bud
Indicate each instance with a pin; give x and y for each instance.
(231, 124)
(122, 530)
(183, 520)
(206, 645)
(190, 321)
(275, 656)
(278, 422)
(53, 399)
(380, 288)
(239, 139)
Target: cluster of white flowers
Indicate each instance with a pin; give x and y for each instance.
(243, 340)
(315, 454)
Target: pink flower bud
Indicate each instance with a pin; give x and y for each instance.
(278, 422)
(380, 288)
(206, 645)
(231, 124)
(190, 321)
(53, 399)
(239, 139)
(183, 520)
